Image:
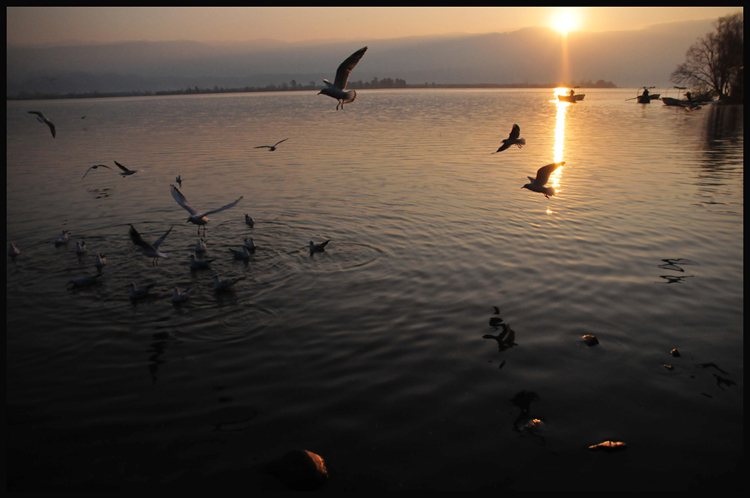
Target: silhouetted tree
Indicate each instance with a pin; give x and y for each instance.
(716, 60)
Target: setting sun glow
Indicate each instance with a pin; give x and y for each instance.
(565, 22)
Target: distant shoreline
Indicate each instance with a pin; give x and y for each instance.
(287, 88)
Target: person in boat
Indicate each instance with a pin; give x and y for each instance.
(645, 92)
(689, 97)
(571, 92)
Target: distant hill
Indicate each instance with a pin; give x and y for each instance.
(530, 55)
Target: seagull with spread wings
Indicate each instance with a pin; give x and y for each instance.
(151, 250)
(42, 119)
(272, 148)
(512, 139)
(337, 89)
(126, 171)
(94, 167)
(196, 217)
(542, 177)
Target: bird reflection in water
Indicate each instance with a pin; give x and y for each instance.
(675, 265)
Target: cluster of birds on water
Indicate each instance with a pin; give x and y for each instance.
(336, 90)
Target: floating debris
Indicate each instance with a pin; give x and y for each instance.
(609, 446)
(669, 367)
(675, 353)
(505, 339)
(590, 340)
(501, 365)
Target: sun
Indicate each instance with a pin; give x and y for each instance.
(565, 22)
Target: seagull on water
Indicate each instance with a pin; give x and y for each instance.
(63, 239)
(100, 261)
(198, 263)
(151, 250)
(196, 217)
(272, 148)
(84, 281)
(13, 251)
(81, 247)
(138, 292)
(178, 296)
(542, 176)
(249, 244)
(179, 180)
(512, 139)
(318, 247)
(241, 254)
(249, 220)
(337, 89)
(94, 167)
(42, 119)
(222, 285)
(126, 171)
(200, 246)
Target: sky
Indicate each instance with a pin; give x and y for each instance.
(96, 25)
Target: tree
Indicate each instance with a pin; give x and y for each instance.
(716, 60)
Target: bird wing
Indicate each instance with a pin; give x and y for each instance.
(138, 240)
(515, 132)
(126, 170)
(277, 143)
(94, 167)
(231, 204)
(261, 146)
(37, 113)
(51, 127)
(342, 73)
(158, 241)
(502, 147)
(182, 201)
(542, 175)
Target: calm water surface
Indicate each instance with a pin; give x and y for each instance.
(373, 353)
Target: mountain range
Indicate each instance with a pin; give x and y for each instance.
(533, 55)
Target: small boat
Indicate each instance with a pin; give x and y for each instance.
(645, 97)
(572, 98)
(673, 102)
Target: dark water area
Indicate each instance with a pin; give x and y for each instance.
(384, 354)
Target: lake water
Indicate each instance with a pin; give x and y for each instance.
(373, 353)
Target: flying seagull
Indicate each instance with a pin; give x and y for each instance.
(126, 171)
(337, 89)
(44, 120)
(542, 176)
(272, 148)
(151, 250)
(318, 247)
(222, 285)
(94, 167)
(196, 217)
(512, 139)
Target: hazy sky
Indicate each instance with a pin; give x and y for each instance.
(62, 25)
